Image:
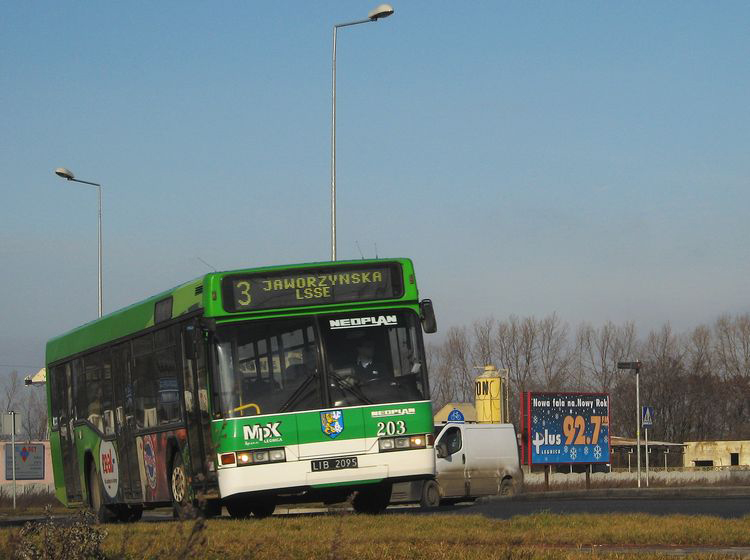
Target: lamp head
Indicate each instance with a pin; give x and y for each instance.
(65, 173)
(381, 11)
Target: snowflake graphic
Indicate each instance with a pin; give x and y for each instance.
(573, 453)
(586, 450)
(535, 419)
(597, 452)
(565, 449)
(604, 439)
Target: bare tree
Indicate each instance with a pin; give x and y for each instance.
(600, 349)
(9, 392)
(482, 346)
(34, 415)
(555, 355)
(733, 345)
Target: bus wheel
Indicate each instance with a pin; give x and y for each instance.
(263, 507)
(178, 486)
(96, 503)
(211, 508)
(129, 514)
(259, 507)
(373, 499)
(430, 494)
(238, 509)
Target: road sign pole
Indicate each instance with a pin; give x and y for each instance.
(638, 422)
(13, 451)
(646, 430)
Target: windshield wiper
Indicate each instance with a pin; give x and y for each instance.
(299, 392)
(356, 391)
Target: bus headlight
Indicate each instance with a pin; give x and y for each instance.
(260, 457)
(400, 443)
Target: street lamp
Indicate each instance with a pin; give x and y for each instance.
(636, 366)
(68, 175)
(380, 12)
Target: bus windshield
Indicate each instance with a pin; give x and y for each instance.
(345, 359)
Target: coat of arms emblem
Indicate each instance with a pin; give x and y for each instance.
(332, 422)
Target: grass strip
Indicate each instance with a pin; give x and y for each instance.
(348, 536)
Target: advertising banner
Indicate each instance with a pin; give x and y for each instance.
(29, 461)
(565, 428)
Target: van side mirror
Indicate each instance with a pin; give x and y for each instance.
(427, 314)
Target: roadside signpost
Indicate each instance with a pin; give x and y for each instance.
(647, 421)
(636, 367)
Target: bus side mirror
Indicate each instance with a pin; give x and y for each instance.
(429, 323)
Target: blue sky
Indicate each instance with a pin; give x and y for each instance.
(584, 158)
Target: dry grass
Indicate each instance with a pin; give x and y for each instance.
(28, 503)
(348, 536)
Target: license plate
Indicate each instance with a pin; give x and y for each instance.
(334, 464)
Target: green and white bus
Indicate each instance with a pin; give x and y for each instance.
(243, 389)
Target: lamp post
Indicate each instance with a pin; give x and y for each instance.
(636, 366)
(380, 12)
(68, 175)
(13, 447)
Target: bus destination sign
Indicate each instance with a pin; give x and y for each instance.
(319, 286)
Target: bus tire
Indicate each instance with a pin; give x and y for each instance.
(211, 508)
(263, 507)
(179, 489)
(238, 509)
(430, 494)
(129, 514)
(372, 499)
(100, 510)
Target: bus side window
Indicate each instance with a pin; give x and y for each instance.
(144, 381)
(168, 389)
(108, 416)
(78, 406)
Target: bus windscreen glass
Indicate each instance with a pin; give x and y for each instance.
(320, 286)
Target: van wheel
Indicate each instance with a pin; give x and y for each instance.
(178, 487)
(430, 494)
(373, 499)
(96, 502)
(507, 488)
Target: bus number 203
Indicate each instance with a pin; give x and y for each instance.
(391, 428)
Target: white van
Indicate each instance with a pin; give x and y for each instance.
(472, 460)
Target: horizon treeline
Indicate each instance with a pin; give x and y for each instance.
(698, 381)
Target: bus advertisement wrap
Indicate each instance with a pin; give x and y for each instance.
(565, 428)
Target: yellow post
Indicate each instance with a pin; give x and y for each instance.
(488, 396)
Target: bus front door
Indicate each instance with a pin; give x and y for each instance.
(63, 386)
(130, 479)
(197, 414)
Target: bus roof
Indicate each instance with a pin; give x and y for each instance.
(193, 296)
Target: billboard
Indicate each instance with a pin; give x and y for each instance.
(29, 461)
(564, 428)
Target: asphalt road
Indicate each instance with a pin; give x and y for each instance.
(720, 506)
(705, 502)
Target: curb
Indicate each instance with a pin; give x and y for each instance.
(702, 492)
